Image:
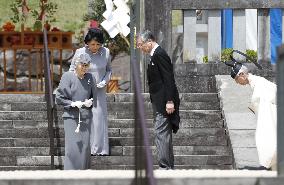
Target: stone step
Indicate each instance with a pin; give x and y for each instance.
(132, 167)
(114, 160)
(119, 97)
(112, 132)
(184, 97)
(117, 150)
(118, 167)
(212, 115)
(185, 123)
(129, 106)
(112, 123)
(117, 141)
(112, 106)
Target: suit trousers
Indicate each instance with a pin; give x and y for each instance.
(163, 140)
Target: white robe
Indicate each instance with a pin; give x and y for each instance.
(263, 103)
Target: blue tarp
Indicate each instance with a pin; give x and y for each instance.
(275, 32)
(227, 28)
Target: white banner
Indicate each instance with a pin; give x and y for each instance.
(116, 20)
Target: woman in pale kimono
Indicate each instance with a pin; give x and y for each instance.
(76, 93)
(100, 67)
(263, 104)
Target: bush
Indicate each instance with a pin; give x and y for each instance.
(225, 55)
(252, 54)
(205, 59)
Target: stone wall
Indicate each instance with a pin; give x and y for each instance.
(200, 78)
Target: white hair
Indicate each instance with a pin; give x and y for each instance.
(82, 58)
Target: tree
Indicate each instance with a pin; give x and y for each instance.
(117, 44)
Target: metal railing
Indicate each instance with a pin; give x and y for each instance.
(280, 110)
(22, 68)
(143, 155)
(49, 97)
(22, 63)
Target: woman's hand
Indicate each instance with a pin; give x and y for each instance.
(101, 84)
(78, 104)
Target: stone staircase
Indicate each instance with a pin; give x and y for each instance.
(201, 142)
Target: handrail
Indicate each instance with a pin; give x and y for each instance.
(141, 131)
(280, 109)
(143, 155)
(48, 97)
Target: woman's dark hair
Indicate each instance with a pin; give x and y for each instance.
(94, 34)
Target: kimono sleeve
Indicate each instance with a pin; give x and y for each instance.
(108, 73)
(63, 94)
(94, 91)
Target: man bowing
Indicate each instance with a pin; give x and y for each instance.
(263, 104)
(164, 97)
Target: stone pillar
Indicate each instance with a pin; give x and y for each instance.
(189, 36)
(214, 35)
(239, 32)
(264, 53)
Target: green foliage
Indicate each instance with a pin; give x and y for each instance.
(44, 12)
(68, 10)
(73, 25)
(18, 15)
(37, 25)
(98, 8)
(251, 53)
(116, 45)
(46, 8)
(205, 59)
(177, 18)
(225, 54)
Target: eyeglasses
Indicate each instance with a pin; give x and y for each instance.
(85, 65)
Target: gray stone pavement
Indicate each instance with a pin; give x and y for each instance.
(130, 174)
(241, 122)
(126, 177)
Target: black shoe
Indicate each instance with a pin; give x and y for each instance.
(102, 155)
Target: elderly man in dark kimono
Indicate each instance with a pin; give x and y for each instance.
(77, 94)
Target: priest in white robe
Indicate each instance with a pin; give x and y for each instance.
(263, 104)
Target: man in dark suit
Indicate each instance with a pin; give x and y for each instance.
(164, 97)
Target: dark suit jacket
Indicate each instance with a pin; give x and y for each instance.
(162, 87)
